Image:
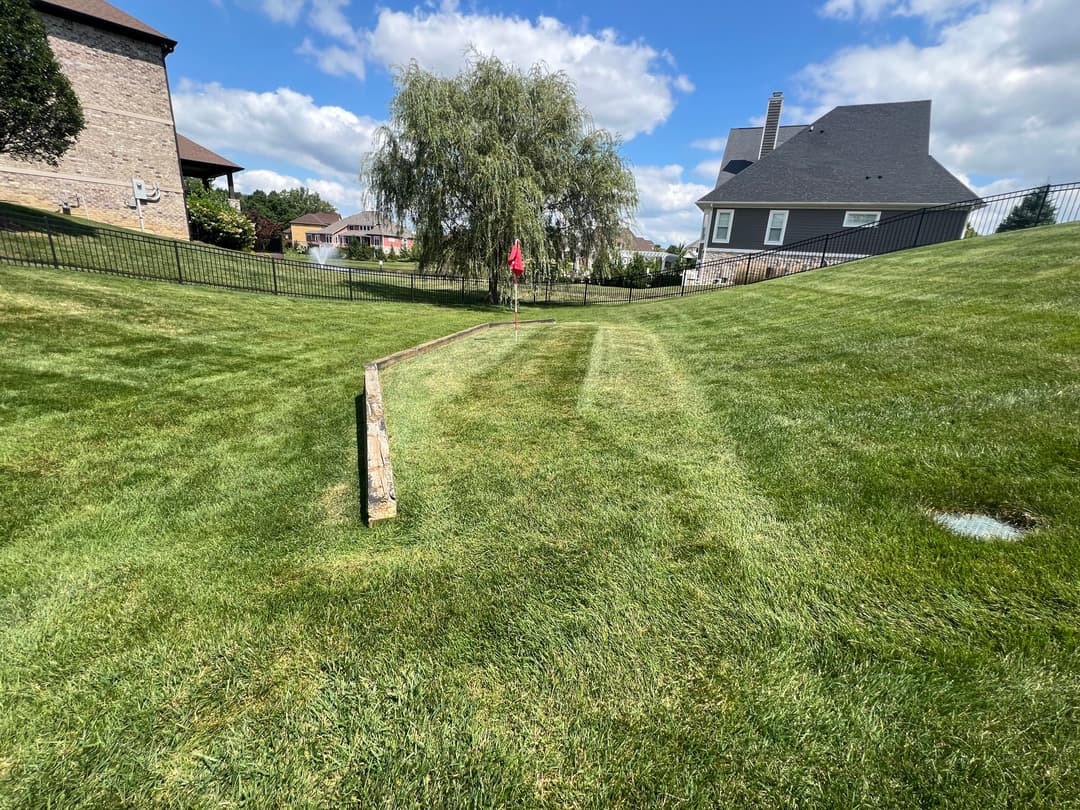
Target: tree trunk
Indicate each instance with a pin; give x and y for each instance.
(493, 288)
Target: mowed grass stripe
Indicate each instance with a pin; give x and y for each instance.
(602, 603)
(692, 567)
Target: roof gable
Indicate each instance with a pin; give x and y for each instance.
(864, 153)
(104, 15)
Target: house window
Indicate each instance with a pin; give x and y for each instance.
(853, 219)
(774, 231)
(722, 226)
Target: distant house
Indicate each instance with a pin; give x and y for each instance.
(301, 227)
(116, 65)
(368, 228)
(856, 165)
(629, 244)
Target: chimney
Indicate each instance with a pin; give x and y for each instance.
(772, 124)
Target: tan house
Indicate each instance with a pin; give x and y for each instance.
(300, 227)
(116, 65)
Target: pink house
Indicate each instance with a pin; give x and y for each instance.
(369, 228)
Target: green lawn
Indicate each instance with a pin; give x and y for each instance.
(671, 554)
(28, 236)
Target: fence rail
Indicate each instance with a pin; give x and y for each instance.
(943, 223)
(60, 241)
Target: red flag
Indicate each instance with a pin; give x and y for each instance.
(517, 264)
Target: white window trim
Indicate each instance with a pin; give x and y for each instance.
(783, 228)
(847, 215)
(730, 227)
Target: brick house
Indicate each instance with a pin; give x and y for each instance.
(116, 65)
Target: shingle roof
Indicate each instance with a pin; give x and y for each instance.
(320, 219)
(197, 153)
(104, 15)
(863, 153)
(368, 219)
(743, 145)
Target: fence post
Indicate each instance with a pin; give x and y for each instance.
(918, 228)
(463, 288)
(273, 273)
(1042, 205)
(412, 286)
(179, 270)
(746, 275)
(350, 284)
(585, 297)
(52, 247)
(824, 249)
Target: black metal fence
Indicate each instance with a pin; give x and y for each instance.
(60, 241)
(1042, 205)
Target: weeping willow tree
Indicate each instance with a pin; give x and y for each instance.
(492, 155)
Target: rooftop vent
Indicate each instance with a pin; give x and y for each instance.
(772, 124)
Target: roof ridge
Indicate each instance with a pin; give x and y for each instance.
(106, 15)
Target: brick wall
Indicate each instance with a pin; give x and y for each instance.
(123, 87)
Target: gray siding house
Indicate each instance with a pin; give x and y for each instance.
(856, 165)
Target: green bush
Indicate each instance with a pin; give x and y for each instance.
(636, 272)
(357, 251)
(218, 223)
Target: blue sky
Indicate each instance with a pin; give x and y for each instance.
(293, 89)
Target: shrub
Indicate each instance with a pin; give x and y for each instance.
(357, 251)
(220, 224)
(1035, 209)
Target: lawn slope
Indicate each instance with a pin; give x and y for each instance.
(673, 554)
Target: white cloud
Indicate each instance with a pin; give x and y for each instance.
(683, 84)
(666, 211)
(622, 84)
(287, 11)
(933, 10)
(708, 168)
(710, 144)
(347, 199)
(334, 59)
(282, 125)
(1005, 81)
(628, 87)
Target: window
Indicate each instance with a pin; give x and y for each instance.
(774, 231)
(853, 219)
(722, 226)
